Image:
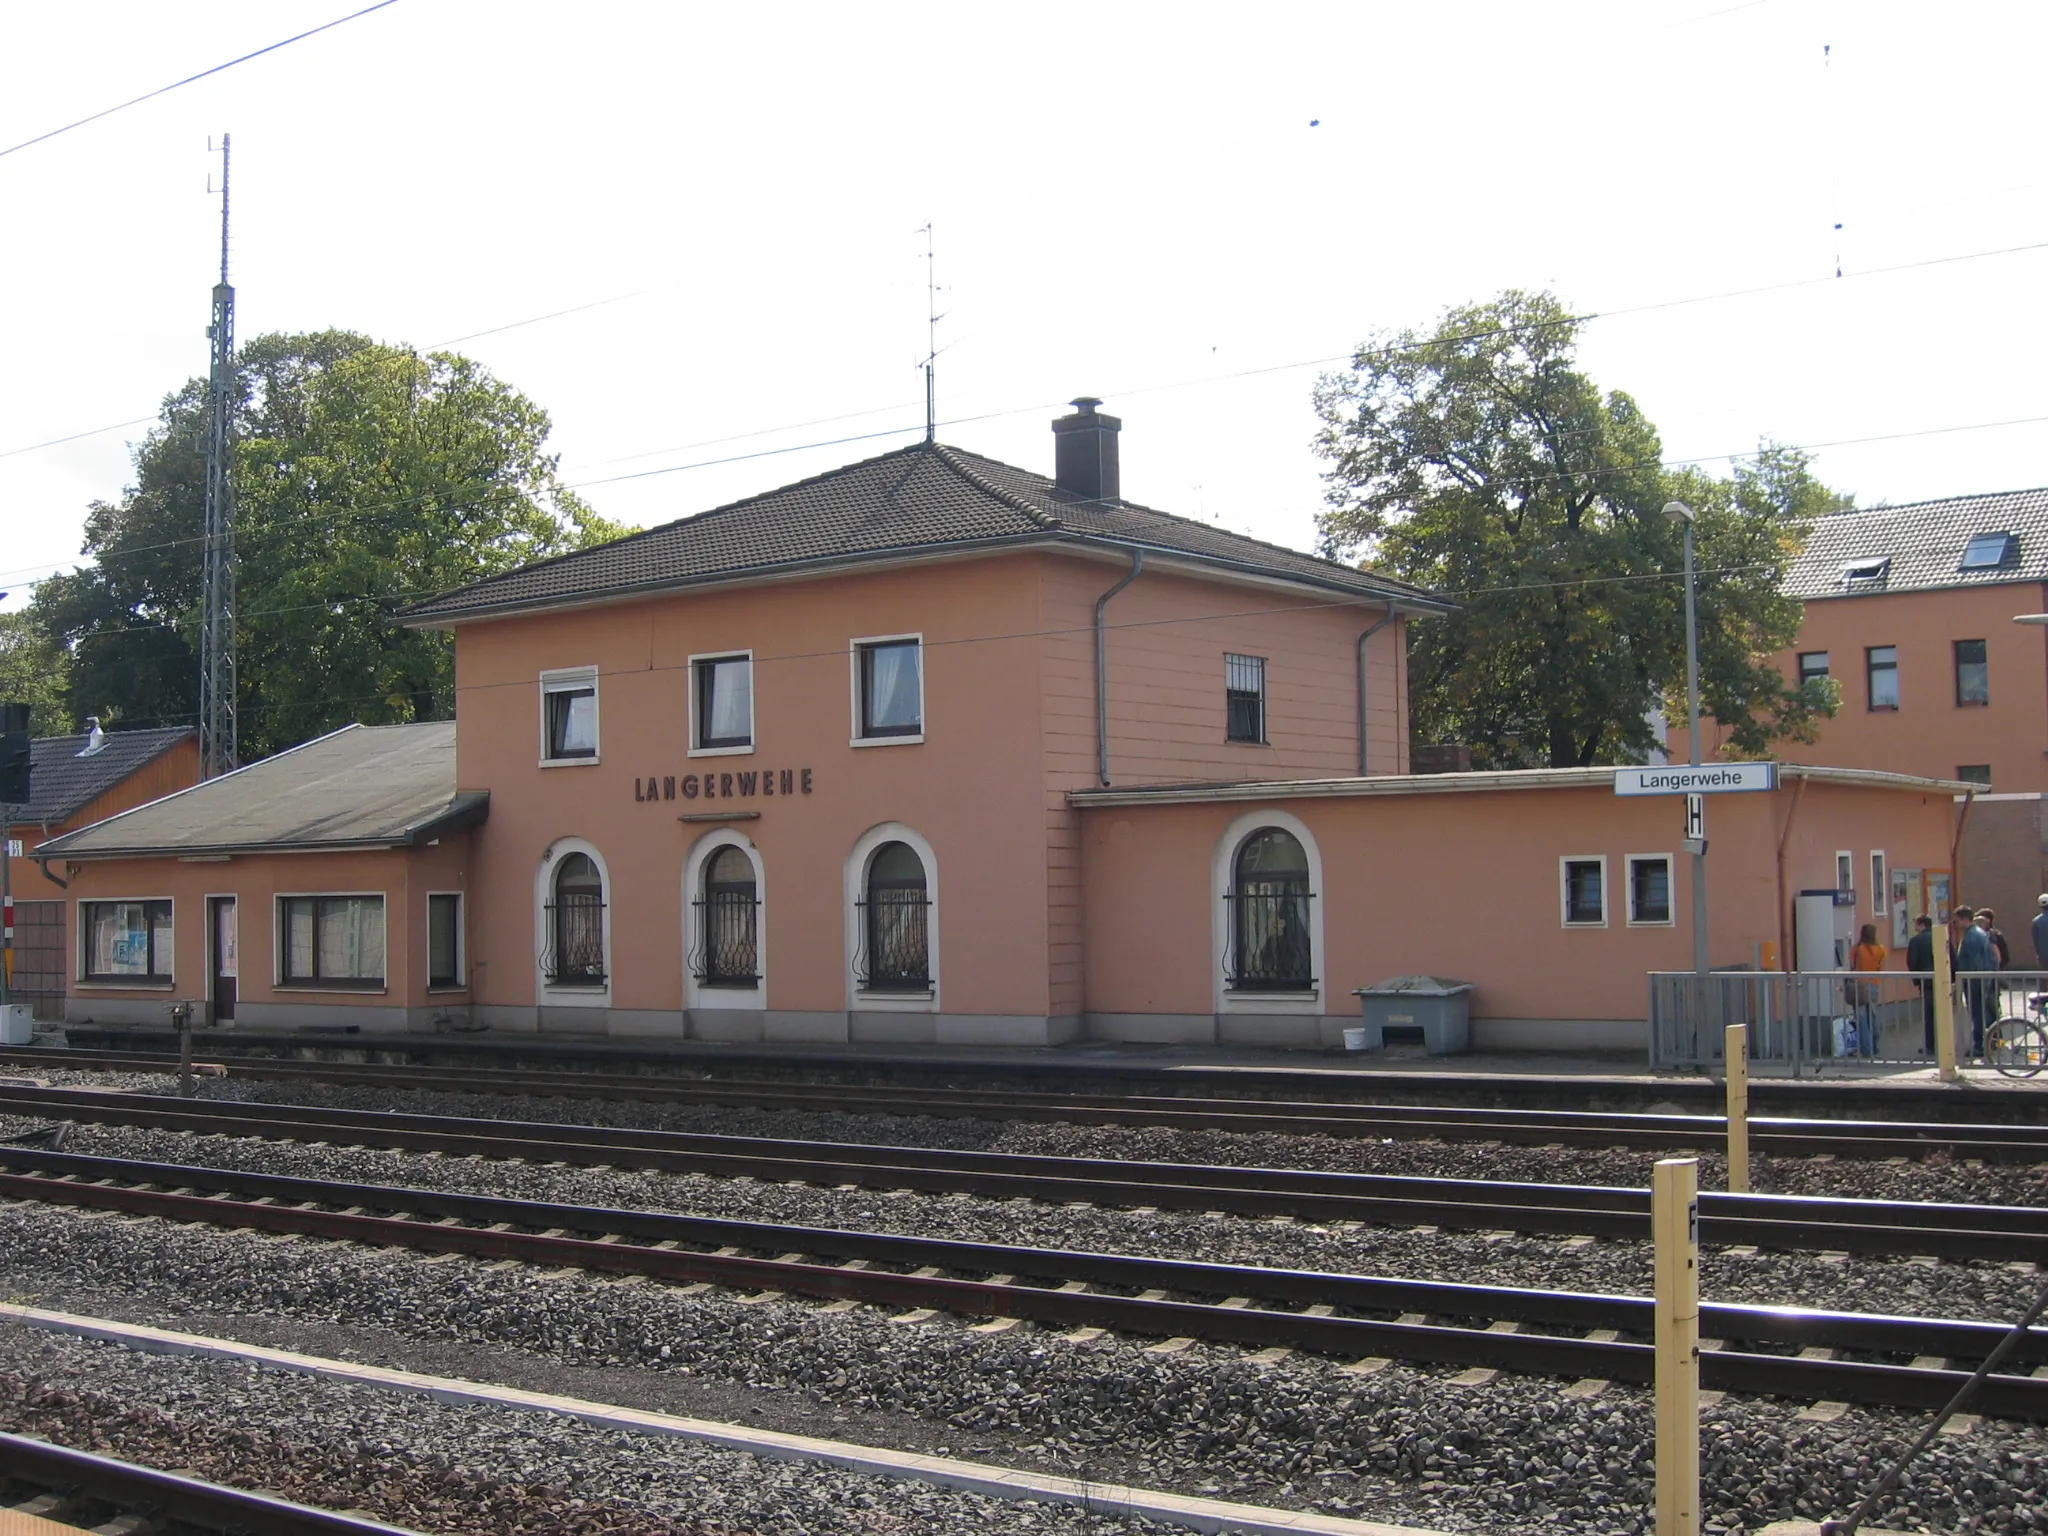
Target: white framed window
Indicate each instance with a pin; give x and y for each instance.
(722, 704)
(1649, 890)
(447, 957)
(725, 951)
(130, 942)
(1845, 870)
(1266, 916)
(572, 938)
(1880, 885)
(1582, 894)
(892, 922)
(888, 690)
(568, 716)
(331, 941)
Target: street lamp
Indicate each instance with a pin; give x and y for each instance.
(1679, 512)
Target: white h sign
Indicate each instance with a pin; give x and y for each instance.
(1707, 779)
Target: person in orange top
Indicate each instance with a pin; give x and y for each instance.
(1868, 955)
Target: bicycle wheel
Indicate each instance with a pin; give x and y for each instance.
(2016, 1047)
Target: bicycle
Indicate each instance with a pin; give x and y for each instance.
(2017, 1046)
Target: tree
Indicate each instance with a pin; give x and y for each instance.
(1479, 462)
(32, 672)
(366, 476)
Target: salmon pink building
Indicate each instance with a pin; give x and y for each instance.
(936, 749)
(1909, 614)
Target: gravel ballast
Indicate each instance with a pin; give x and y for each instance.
(1937, 1177)
(450, 1468)
(1398, 1444)
(1976, 1290)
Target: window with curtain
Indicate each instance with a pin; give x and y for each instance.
(728, 921)
(569, 714)
(895, 922)
(127, 941)
(725, 701)
(575, 955)
(1269, 914)
(331, 941)
(891, 688)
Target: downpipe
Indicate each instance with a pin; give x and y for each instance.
(1385, 619)
(1102, 668)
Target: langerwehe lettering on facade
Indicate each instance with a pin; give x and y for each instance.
(743, 784)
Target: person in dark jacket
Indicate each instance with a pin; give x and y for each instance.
(2040, 926)
(1920, 961)
(1975, 959)
(1988, 921)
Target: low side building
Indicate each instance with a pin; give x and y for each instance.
(1249, 913)
(75, 781)
(323, 886)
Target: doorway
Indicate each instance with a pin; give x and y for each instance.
(221, 945)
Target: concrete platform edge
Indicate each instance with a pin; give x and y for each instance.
(974, 1477)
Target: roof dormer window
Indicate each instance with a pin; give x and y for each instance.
(1867, 573)
(1987, 551)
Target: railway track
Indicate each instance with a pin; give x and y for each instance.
(57, 1489)
(1769, 1135)
(2013, 1234)
(1350, 1316)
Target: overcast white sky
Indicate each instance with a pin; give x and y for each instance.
(1129, 200)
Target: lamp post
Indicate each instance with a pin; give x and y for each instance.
(1679, 512)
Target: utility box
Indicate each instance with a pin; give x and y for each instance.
(1437, 1005)
(17, 1024)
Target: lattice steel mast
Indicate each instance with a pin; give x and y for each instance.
(218, 752)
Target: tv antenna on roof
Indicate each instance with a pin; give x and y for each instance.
(932, 317)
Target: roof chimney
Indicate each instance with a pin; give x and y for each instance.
(1084, 452)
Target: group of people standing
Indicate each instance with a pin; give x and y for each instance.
(1976, 947)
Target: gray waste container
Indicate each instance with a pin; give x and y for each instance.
(1438, 1005)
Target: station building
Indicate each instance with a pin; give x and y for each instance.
(934, 749)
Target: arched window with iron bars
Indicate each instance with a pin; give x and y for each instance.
(895, 926)
(575, 926)
(1269, 915)
(728, 907)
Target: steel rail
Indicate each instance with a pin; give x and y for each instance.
(1768, 1134)
(628, 1238)
(2013, 1234)
(92, 1479)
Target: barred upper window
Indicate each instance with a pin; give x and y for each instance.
(1244, 698)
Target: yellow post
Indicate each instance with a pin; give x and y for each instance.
(1944, 1007)
(1675, 1230)
(1735, 1065)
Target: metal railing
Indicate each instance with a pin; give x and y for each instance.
(1269, 941)
(1800, 1020)
(895, 941)
(574, 956)
(728, 952)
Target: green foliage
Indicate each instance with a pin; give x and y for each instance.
(365, 477)
(33, 672)
(1477, 461)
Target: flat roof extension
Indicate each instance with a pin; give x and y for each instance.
(361, 787)
(1466, 784)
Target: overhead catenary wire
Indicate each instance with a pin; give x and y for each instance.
(164, 90)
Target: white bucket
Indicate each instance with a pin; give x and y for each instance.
(17, 1025)
(1358, 1039)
